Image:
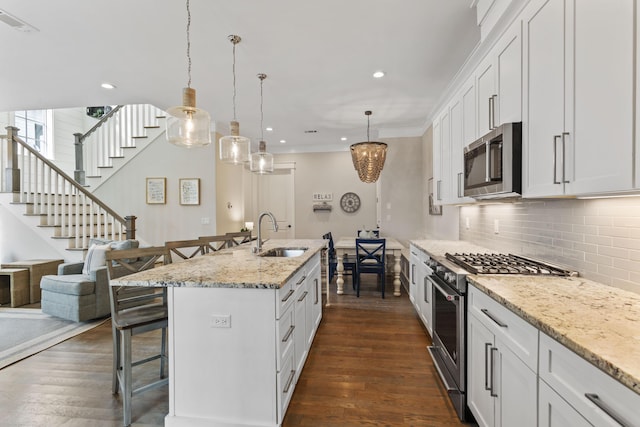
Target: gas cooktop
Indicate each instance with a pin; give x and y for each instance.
(477, 263)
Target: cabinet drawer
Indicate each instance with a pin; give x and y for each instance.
(553, 410)
(573, 378)
(285, 327)
(519, 336)
(284, 298)
(286, 385)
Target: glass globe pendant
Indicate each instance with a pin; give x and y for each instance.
(261, 161)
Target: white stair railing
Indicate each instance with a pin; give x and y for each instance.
(57, 198)
(109, 138)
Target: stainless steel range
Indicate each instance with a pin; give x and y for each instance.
(449, 288)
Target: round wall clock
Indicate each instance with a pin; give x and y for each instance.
(350, 202)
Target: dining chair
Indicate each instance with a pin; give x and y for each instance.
(136, 310)
(348, 262)
(370, 258)
(239, 237)
(184, 249)
(215, 243)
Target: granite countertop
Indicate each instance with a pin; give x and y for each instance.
(598, 322)
(235, 267)
(437, 248)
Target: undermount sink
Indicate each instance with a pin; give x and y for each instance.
(284, 252)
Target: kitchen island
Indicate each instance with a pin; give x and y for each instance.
(240, 328)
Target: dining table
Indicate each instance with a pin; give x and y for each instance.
(347, 246)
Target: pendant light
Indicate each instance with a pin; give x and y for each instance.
(261, 161)
(234, 148)
(188, 126)
(368, 157)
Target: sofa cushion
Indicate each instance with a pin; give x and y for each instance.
(96, 257)
(70, 284)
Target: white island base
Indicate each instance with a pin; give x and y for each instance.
(244, 374)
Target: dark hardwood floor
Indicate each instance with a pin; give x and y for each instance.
(368, 366)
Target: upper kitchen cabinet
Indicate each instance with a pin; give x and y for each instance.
(442, 157)
(499, 82)
(578, 97)
(462, 113)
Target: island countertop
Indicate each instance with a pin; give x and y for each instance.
(599, 323)
(235, 267)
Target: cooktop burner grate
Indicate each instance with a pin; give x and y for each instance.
(477, 263)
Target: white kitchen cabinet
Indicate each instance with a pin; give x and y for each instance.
(578, 97)
(420, 287)
(499, 82)
(442, 158)
(414, 262)
(501, 363)
(315, 282)
(589, 391)
(554, 411)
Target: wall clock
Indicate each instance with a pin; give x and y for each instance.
(350, 202)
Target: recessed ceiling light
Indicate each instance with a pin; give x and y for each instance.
(107, 86)
(282, 141)
(344, 138)
(378, 74)
(269, 129)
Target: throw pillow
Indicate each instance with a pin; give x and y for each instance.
(96, 257)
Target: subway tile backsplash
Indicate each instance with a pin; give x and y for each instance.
(600, 238)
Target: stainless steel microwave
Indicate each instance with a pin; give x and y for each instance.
(493, 164)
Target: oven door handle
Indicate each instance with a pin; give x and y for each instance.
(450, 296)
(445, 378)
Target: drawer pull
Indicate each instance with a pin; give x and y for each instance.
(288, 334)
(606, 409)
(301, 280)
(492, 317)
(289, 381)
(304, 295)
(288, 295)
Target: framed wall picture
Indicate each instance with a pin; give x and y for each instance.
(156, 191)
(189, 191)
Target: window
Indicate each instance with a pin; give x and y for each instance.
(34, 129)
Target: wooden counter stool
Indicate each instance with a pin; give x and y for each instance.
(14, 286)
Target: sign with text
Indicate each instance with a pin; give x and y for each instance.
(322, 197)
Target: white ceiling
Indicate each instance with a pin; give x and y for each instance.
(319, 57)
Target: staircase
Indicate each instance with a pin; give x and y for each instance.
(59, 208)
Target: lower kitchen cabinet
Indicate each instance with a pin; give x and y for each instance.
(420, 287)
(501, 387)
(554, 411)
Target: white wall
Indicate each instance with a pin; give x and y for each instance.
(125, 192)
(402, 189)
(66, 122)
(330, 173)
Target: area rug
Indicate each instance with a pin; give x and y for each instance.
(27, 331)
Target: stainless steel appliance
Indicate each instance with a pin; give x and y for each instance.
(493, 164)
(449, 289)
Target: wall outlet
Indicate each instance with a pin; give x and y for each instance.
(204, 221)
(220, 320)
(496, 226)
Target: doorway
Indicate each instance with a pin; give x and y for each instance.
(275, 193)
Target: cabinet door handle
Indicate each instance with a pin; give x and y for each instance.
(426, 286)
(487, 153)
(492, 317)
(493, 111)
(460, 185)
(438, 190)
(555, 159)
(288, 334)
(304, 295)
(413, 274)
(315, 286)
(490, 111)
(286, 297)
(289, 381)
(595, 399)
(301, 280)
(491, 361)
(487, 346)
(564, 157)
